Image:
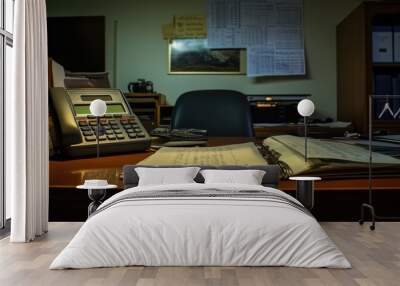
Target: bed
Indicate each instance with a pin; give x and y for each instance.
(197, 224)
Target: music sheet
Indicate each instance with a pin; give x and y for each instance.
(245, 154)
(270, 30)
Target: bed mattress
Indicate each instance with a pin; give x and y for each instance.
(201, 225)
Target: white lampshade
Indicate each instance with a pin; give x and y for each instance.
(98, 107)
(305, 107)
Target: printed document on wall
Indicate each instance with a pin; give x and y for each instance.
(265, 61)
(271, 31)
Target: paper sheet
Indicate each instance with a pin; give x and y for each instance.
(185, 27)
(271, 30)
(245, 154)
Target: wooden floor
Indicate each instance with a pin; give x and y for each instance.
(375, 257)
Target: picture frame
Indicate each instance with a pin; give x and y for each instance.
(192, 56)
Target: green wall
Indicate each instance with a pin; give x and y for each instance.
(142, 53)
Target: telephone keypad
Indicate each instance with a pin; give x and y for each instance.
(112, 127)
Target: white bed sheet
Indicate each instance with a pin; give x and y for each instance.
(200, 232)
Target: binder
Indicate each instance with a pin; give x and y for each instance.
(383, 84)
(382, 44)
(396, 43)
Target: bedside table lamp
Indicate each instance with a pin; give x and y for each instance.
(98, 108)
(305, 108)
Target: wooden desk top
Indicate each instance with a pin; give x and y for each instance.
(70, 173)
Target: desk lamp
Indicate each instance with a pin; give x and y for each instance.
(305, 108)
(98, 108)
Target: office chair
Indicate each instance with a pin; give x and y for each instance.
(223, 113)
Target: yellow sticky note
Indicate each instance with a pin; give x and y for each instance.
(190, 26)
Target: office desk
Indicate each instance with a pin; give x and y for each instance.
(70, 173)
(335, 199)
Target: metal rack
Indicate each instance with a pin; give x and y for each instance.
(369, 206)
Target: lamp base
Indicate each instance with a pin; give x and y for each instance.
(373, 217)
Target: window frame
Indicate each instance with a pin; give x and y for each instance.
(6, 39)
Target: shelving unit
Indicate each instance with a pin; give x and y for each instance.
(151, 108)
(355, 67)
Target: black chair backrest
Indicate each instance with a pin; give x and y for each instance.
(223, 113)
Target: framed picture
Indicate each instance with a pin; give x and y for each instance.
(192, 56)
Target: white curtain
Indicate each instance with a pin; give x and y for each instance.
(27, 124)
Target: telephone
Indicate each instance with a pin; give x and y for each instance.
(73, 128)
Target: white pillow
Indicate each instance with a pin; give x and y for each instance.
(248, 177)
(166, 176)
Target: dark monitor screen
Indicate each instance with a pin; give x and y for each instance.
(91, 97)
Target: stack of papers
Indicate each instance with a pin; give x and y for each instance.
(389, 138)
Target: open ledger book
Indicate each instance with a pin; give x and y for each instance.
(245, 154)
(327, 157)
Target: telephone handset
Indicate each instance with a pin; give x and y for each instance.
(74, 129)
(65, 118)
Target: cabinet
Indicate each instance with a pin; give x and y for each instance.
(151, 108)
(356, 70)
